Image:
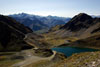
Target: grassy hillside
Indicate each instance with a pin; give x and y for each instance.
(87, 59)
(90, 42)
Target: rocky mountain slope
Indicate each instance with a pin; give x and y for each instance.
(12, 34)
(82, 25)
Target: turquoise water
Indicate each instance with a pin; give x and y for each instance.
(68, 51)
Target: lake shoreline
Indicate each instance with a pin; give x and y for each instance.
(68, 51)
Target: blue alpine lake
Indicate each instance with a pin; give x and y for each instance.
(68, 51)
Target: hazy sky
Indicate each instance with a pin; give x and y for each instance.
(66, 8)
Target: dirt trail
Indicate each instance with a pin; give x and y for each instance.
(33, 59)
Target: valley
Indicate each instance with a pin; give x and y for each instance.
(22, 47)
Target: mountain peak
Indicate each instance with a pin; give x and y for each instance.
(24, 14)
(83, 16)
(78, 22)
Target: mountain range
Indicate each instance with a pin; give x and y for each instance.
(36, 22)
(13, 32)
(82, 31)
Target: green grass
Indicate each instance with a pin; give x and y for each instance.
(6, 53)
(56, 41)
(5, 60)
(8, 63)
(90, 42)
